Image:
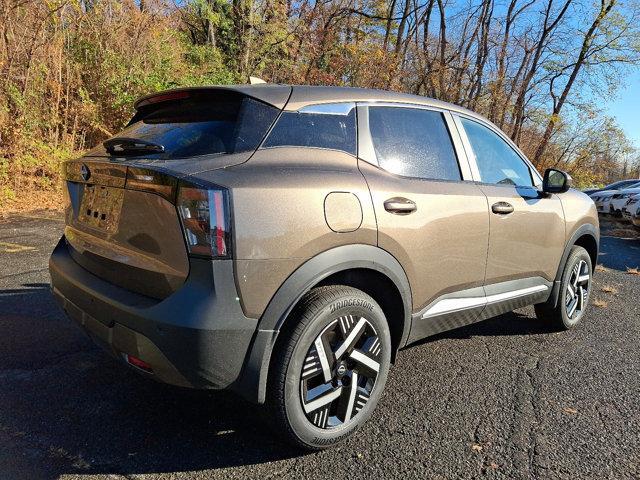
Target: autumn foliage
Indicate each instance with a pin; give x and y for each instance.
(71, 69)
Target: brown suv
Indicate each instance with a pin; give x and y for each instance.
(285, 242)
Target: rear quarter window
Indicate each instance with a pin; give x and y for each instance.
(316, 130)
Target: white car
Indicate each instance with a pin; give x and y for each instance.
(635, 215)
(630, 207)
(620, 198)
(603, 199)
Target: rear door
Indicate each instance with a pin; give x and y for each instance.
(527, 227)
(430, 214)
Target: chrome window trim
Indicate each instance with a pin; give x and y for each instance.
(337, 108)
(367, 153)
(401, 105)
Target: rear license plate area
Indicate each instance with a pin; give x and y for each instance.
(100, 207)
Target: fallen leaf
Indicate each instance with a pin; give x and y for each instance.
(570, 410)
(633, 271)
(599, 303)
(476, 448)
(601, 268)
(494, 465)
(609, 289)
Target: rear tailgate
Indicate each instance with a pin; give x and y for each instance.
(121, 220)
(129, 238)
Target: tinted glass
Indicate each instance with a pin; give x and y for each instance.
(497, 161)
(413, 142)
(319, 130)
(207, 124)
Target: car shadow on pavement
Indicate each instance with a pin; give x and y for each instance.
(512, 323)
(66, 407)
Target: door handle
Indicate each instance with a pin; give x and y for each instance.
(400, 206)
(502, 208)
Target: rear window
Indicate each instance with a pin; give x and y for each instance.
(332, 129)
(203, 124)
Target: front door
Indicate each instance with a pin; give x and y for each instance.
(527, 228)
(430, 215)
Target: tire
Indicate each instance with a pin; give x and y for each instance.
(575, 290)
(338, 320)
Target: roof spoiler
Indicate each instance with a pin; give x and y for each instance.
(272, 94)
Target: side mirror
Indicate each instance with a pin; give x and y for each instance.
(556, 181)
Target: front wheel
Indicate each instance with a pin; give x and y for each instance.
(575, 290)
(330, 367)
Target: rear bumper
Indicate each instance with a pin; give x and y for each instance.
(197, 337)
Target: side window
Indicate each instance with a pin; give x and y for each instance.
(320, 128)
(497, 161)
(413, 142)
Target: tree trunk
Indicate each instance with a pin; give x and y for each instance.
(587, 41)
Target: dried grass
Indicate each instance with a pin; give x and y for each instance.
(31, 201)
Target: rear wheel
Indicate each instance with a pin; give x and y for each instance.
(330, 367)
(575, 290)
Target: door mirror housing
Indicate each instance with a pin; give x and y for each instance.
(556, 181)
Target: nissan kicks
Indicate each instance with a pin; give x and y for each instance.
(284, 242)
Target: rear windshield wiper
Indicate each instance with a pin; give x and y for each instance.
(126, 145)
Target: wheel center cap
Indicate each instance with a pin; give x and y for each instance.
(342, 369)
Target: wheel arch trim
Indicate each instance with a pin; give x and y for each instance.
(586, 229)
(253, 380)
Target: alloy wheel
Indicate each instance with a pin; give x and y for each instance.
(339, 371)
(577, 289)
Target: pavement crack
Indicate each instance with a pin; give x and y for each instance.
(526, 419)
(533, 432)
(452, 378)
(16, 274)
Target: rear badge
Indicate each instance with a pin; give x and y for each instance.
(85, 172)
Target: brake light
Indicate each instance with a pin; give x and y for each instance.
(163, 97)
(204, 213)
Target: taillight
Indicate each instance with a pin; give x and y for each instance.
(204, 212)
(152, 181)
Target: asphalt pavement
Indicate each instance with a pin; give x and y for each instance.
(505, 398)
